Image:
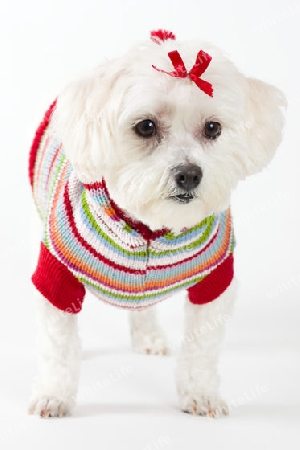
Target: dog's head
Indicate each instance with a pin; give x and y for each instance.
(169, 152)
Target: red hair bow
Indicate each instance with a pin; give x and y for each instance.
(202, 62)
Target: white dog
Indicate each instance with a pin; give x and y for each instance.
(132, 171)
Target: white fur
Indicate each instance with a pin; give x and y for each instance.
(197, 372)
(95, 120)
(59, 351)
(147, 335)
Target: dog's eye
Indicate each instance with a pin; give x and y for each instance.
(146, 128)
(212, 130)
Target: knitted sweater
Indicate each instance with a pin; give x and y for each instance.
(89, 242)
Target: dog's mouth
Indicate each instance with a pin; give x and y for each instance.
(185, 198)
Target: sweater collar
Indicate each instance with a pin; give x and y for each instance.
(100, 195)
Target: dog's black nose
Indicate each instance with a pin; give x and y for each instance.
(188, 176)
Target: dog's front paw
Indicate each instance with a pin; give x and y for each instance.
(50, 407)
(204, 405)
(149, 344)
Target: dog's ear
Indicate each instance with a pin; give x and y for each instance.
(264, 119)
(81, 121)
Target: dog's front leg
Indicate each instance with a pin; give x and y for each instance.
(197, 373)
(147, 335)
(59, 352)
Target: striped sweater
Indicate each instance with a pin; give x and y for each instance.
(89, 243)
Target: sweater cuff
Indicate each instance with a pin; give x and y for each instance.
(214, 284)
(57, 284)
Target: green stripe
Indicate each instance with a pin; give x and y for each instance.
(101, 233)
(61, 163)
(192, 245)
(207, 221)
(115, 295)
(232, 243)
(38, 210)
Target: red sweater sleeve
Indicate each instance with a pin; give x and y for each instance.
(55, 282)
(214, 284)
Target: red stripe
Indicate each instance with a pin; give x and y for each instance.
(86, 245)
(140, 227)
(37, 140)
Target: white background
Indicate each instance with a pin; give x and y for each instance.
(44, 44)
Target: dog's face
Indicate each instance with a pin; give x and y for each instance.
(170, 154)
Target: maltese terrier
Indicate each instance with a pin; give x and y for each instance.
(132, 171)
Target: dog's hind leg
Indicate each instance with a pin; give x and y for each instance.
(197, 375)
(147, 335)
(59, 352)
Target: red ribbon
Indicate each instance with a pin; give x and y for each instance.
(202, 62)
